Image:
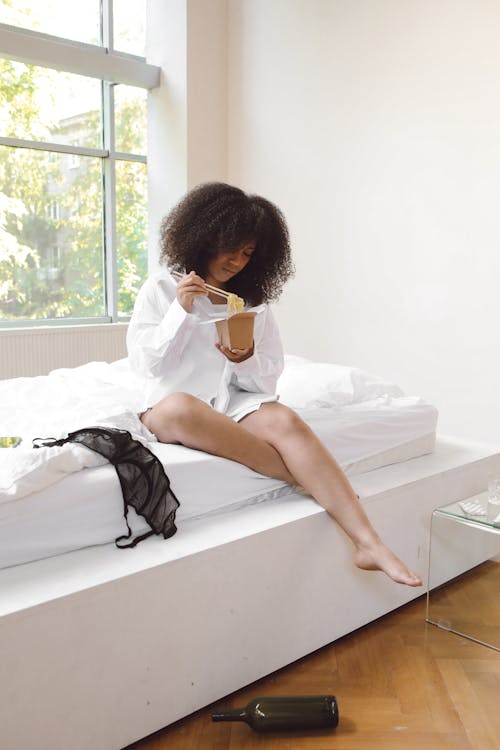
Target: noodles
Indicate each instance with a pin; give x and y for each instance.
(235, 304)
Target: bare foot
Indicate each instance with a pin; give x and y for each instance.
(380, 557)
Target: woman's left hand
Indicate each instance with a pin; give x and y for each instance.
(235, 355)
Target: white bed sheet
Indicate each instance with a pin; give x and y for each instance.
(55, 500)
(86, 508)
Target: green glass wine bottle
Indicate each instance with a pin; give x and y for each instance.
(267, 714)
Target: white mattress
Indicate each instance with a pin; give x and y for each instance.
(86, 508)
(55, 500)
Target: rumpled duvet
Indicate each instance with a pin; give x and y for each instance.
(110, 395)
(51, 406)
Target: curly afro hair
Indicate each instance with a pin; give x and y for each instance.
(215, 217)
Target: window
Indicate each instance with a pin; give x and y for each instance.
(55, 212)
(73, 161)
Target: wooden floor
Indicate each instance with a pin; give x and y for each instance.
(401, 684)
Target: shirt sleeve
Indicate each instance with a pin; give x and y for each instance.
(159, 328)
(260, 372)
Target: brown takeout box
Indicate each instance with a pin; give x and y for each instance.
(236, 332)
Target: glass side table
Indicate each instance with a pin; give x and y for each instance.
(465, 603)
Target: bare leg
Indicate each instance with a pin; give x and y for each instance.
(181, 418)
(275, 442)
(316, 470)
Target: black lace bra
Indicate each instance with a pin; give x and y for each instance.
(145, 486)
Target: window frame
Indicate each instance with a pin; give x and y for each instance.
(110, 67)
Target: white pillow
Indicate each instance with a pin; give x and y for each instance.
(305, 384)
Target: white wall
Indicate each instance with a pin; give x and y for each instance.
(375, 125)
(187, 113)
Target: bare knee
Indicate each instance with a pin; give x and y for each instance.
(171, 417)
(278, 421)
(179, 407)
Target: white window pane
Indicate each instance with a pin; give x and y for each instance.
(80, 21)
(130, 119)
(41, 104)
(130, 26)
(131, 232)
(51, 258)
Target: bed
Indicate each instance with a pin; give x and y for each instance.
(55, 500)
(101, 647)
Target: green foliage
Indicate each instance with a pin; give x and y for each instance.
(131, 212)
(51, 216)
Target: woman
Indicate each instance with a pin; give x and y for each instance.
(205, 396)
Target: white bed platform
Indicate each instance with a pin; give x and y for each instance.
(101, 647)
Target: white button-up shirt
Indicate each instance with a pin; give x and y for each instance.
(174, 351)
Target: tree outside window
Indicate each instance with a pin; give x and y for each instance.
(53, 239)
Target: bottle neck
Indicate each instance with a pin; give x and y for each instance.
(237, 714)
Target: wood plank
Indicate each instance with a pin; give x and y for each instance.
(400, 683)
(474, 718)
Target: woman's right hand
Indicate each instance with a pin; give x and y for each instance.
(189, 287)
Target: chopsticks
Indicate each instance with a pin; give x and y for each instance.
(213, 289)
